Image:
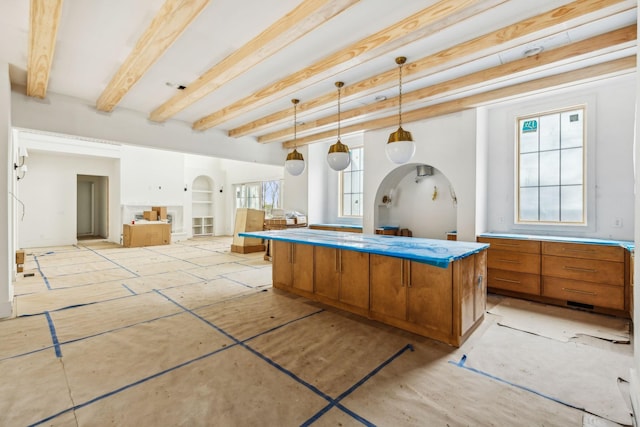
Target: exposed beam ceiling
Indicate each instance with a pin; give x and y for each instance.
(43, 30)
(169, 23)
(604, 41)
(431, 19)
(304, 18)
(570, 77)
(420, 67)
(241, 70)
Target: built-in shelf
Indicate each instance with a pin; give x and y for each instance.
(202, 226)
(202, 207)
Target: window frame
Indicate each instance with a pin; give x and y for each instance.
(341, 188)
(586, 169)
(261, 197)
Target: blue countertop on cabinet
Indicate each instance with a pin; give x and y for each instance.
(628, 245)
(429, 251)
(338, 225)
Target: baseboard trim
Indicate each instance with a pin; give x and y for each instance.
(634, 391)
(6, 309)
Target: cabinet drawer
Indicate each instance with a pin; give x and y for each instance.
(584, 292)
(579, 250)
(514, 281)
(589, 270)
(528, 246)
(513, 261)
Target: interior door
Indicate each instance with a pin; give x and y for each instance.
(85, 204)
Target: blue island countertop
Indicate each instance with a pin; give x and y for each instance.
(626, 244)
(429, 251)
(355, 226)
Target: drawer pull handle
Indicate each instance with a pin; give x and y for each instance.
(583, 270)
(507, 280)
(584, 251)
(511, 261)
(578, 291)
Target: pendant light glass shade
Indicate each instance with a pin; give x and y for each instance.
(339, 156)
(295, 161)
(400, 147)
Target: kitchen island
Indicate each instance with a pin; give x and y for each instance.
(434, 288)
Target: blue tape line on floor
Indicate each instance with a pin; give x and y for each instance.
(354, 387)
(171, 256)
(129, 289)
(463, 360)
(112, 261)
(255, 352)
(128, 386)
(46, 281)
(54, 336)
(236, 281)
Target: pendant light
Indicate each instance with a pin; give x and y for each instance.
(295, 162)
(400, 147)
(339, 156)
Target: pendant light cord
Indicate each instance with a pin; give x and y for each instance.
(295, 123)
(339, 112)
(400, 96)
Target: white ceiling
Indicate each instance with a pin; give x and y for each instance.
(96, 36)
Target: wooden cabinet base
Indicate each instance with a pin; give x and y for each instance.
(247, 249)
(445, 304)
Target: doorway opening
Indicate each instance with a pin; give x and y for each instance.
(92, 218)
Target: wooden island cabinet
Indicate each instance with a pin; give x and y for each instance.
(591, 274)
(435, 288)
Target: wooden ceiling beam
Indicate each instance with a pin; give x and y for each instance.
(421, 67)
(304, 18)
(432, 19)
(457, 105)
(44, 18)
(169, 23)
(603, 41)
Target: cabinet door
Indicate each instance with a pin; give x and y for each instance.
(354, 284)
(480, 294)
(388, 292)
(465, 280)
(281, 258)
(302, 261)
(327, 272)
(430, 299)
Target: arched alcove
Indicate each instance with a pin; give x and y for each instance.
(202, 206)
(423, 201)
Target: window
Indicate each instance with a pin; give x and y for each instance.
(264, 195)
(551, 168)
(351, 181)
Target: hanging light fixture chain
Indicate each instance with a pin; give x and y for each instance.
(295, 122)
(339, 86)
(400, 62)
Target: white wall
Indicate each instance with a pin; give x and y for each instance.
(72, 116)
(48, 192)
(610, 117)
(324, 191)
(449, 144)
(413, 205)
(296, 188)
(7, 181)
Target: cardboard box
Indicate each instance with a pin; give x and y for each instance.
(19, 257)
(138, 235)
(150, 215)
(161, 211)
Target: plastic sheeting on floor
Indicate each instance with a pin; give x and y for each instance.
(208, 343)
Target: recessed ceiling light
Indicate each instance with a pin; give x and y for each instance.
(379, 98)
(533, 51)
